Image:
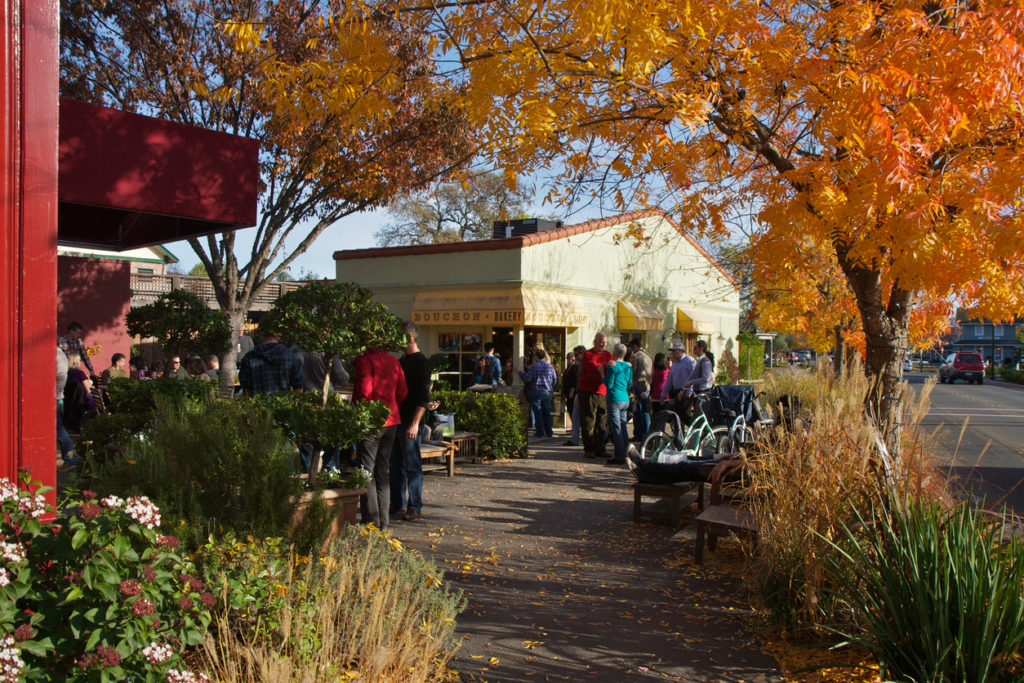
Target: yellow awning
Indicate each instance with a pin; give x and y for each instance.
(690, 323)
(636, 315)
(500, 307)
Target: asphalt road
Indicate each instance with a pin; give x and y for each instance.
(979, 435)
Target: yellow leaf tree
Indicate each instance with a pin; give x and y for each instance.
(888, 133)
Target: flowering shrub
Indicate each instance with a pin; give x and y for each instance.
(99, 595)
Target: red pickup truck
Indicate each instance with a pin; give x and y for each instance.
(968, 366)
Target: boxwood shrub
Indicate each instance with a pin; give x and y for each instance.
(498, 418)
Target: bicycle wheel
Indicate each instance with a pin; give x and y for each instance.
(665, 421)
(654, 444)
(720, 441)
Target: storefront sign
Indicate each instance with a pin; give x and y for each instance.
(503, 318)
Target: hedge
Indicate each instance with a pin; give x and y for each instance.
(497, 418)
(752, 351)
(1009, 375)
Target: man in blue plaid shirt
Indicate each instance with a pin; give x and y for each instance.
(270, 368)
(540, 379)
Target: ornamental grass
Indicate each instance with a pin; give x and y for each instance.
(812, 481)
(367, 610)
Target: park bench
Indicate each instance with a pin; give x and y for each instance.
(441, 450)
(720, 518)
(673, 492)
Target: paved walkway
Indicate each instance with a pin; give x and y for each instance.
(561, 584)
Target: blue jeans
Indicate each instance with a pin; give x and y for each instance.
(618, 415)
(540, 406)
(64, 440)
(642, 418)
(574, 435)
(406, 472)
(330, 458)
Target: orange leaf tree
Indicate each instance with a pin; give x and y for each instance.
(886, 133)
(343, 99)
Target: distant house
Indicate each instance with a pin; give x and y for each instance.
(995, 341)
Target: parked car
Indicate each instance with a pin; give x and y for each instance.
(908, 365)
(968, 366)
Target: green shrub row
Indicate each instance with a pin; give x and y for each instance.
(496, 417)
(1011, 375)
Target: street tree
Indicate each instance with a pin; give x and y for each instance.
(888, 133)
(342, 98)
(453, 211)
(183, 324)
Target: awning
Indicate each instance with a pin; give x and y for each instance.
(637, 315)
(500, 307)
(127, 180)
(692, 324)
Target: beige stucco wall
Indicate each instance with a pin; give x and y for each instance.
(665, 272)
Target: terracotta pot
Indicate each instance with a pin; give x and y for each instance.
(343, 503)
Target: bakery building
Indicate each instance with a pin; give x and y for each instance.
(638, 275)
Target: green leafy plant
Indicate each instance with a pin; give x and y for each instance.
(324, 424)
(495, 416)
(750, 356)
(333, 319)
(358, 478)
(1011, 375)
(936, 593)
(182, 323)
(97, 595)
(221, 464)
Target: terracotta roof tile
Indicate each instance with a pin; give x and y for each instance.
(526, 241)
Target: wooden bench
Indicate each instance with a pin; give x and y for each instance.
(429, 451)
(674, 492)
(719, 520)
(467, 443)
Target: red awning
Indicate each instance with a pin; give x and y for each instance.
(127, 180)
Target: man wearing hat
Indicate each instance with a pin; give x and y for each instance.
(679, 374)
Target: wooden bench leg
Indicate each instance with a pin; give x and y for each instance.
(700, 496)
(698, 555)
(451, 463)
(636, 504)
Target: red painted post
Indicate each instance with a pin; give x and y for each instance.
(28, 244)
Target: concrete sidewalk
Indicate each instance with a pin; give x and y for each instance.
(561, 584)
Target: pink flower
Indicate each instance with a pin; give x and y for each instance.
(12, 552)
(130, 587)
(11, 662)
(23, 632)
(157, 653)
(142, 510)
(89, 495)
(33, 506)
(149, 573)
(108, 655)
(91, 511)
(168, 542)
(143, 607)
(112, 502)
(208, 599)
(184, 603)
(5, 578)
(8, 490)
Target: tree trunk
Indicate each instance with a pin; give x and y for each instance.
(886, 329)
(839, 359)
(229, 361)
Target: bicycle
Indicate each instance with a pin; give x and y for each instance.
(700, 440)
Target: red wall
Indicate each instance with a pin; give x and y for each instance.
(96, 293)
(28, 238)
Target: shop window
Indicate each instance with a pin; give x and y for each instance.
(461, 348)
(997, 331)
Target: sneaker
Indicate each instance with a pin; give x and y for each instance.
(612, 462)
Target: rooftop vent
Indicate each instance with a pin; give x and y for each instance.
(523, 226)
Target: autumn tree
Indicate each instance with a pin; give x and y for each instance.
(888, 133)
(342, 98)
(182, 323)
(453, 211)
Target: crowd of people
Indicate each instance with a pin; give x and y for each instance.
(605, 390)
(602, 391)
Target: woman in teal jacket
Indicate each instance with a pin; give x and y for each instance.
(618, 378)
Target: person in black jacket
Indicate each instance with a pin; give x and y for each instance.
(570, 383)
(406, 466)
